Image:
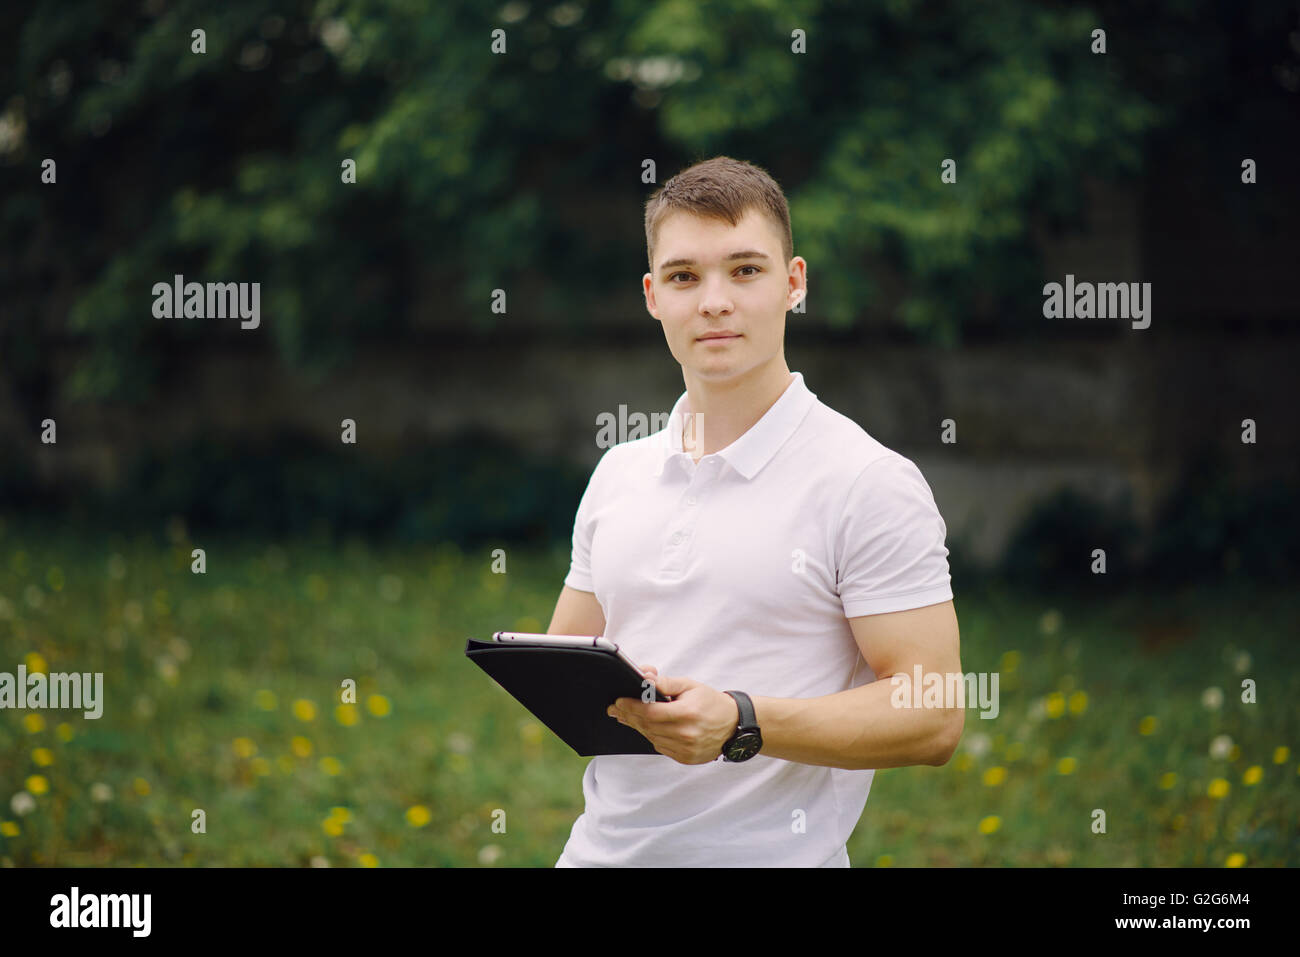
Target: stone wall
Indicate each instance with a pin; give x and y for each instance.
(1101, 416)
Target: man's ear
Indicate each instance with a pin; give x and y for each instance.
(648, 287)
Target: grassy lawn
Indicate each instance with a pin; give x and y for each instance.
(222, 691)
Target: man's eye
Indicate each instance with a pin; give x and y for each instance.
(676, 274)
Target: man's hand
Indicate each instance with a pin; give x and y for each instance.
(692, 728)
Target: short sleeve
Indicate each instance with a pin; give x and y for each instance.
(889, 546)
(584, 528)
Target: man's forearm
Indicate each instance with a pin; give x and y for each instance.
(857, 729)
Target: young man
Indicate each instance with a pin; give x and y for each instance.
(775, 562)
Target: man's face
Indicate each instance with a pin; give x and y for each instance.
(700, 287)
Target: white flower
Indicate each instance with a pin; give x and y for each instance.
(101, 792)
(1221, 747)
(1242, 662)
(978, 744)
(1212, 698)
(22, 803)
(489, 854)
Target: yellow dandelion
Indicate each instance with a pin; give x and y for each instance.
(1235, 860)
(1015, 751)
(1078, 702)
(1168, 780)
(458, 763)
(301, 746)
(1235, 753)
(378, 705)
(418, 816)
(1010, 661)
(43, 757)
(530, 732)
(1176, 822)
(54, 578)
(1252, 775)
(990, 824)
(285, 764)
(244, 747)
(331, 766)
(37, 784)
(35, 663)
(64, 732)
(332, 826)
(1066, 766)
(341, 814)
(995, 776)
(1219, 788)
(33, 723)
(885, 860)
(1147, 725)
(304, 710)
(368, 860)
(141, 786)
(261, 766)
(9, 828)
(963, 762)
(1055, 704)
(347, 715)
(264, 699)
(1280, 754)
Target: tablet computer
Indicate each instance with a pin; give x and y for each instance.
(568, 682)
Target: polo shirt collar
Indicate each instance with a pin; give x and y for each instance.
(749, 453)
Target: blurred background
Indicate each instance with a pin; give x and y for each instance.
(524, 170)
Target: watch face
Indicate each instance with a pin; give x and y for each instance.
(744, 746)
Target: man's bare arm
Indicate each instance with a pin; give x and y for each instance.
(577, 613)
(861, 728)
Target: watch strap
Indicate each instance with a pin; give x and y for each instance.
(748, 718)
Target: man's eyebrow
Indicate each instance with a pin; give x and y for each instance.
(739, 254)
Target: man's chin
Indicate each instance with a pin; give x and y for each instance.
(720, 374)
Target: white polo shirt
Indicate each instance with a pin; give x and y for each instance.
(741, 572)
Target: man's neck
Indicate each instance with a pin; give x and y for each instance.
(723, 412)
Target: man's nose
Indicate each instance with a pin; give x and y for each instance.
(715, 299)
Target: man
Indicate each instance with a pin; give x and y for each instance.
(763, 544)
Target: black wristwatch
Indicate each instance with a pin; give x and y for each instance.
(746, 742)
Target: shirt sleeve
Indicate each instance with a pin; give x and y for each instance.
(889, 549)
(584, 528)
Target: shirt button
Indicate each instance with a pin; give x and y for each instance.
(691, 500)
(677, 538)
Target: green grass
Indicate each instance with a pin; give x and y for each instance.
(202, 672)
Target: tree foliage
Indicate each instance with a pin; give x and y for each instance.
(478, 171)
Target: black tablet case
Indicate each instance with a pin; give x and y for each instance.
(568, 690)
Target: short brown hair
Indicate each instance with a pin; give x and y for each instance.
(719, 188)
